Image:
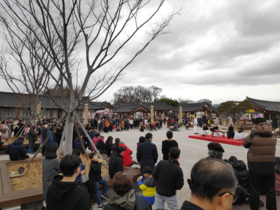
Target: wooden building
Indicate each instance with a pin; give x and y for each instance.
(196, 110)
(11, 106)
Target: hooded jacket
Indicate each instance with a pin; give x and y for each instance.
(262, 147)
(166, 145)
(127, 159)
(16, 150)
(130, 201)
(67, 195)
(241, 173)
(115, 164)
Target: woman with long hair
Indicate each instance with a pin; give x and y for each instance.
(50, 168)
(108, 145)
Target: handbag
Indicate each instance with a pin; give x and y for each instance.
(84, 178)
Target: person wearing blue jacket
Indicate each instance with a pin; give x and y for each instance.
(147, 154)
(17, 150)
(77, 144)
(52, 140)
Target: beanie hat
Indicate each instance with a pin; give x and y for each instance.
(215, 147)
(259, 120)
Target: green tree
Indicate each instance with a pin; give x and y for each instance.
(169, 101)
(229, 108)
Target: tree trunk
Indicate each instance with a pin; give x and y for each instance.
(69, 135)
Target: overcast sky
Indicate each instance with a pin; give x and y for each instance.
(216, 49)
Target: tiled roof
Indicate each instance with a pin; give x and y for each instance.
(8, 99)
(189, 107)
(128, 108)
(266, 105)
(158, 106)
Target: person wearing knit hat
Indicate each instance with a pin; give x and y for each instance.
(215, 150)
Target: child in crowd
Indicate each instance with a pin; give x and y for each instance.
(96, 178)
(148, 186)
(142, 128)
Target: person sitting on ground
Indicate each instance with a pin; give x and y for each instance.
(230, 132)
(215, 150)
(141, 140)
(108, 145)
(212, 186)
(240, 129)
(77, 144)
(261, 163)
(84, 183)
(167, 144)
(277, 175)
(148, 186)
(96, 178)
(115, 146)
(187, 124)
(100, 145)
(125, 197)
(169, 179)
(50, 168)
(116, 162)
(17, 150)
(142, 128)
(127, 159)
(65, 192)
(151, 126)
(95, 140)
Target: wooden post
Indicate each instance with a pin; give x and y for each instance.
(152, 114)
(181, 114)
(39, 109)
(86, 114)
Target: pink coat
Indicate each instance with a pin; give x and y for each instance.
(5, 135)
(277, 182)
(94, 140)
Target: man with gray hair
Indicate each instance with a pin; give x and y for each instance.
(215, 150)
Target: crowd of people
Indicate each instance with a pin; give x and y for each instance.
(215, 183)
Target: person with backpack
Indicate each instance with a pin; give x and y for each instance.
(106, 124)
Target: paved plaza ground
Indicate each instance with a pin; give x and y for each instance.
(191, 151)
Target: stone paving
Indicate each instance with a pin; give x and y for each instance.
(191, 151)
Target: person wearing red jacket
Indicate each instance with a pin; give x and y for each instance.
(127, 159)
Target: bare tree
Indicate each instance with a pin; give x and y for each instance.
(23, 73)
(101, 28)
(185, 101)
(155, 91)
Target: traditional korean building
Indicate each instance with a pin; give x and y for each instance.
(196, 110)
(262, 108)
(142, 109)
(11, 106)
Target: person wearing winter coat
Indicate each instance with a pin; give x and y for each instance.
(167, 144)
(241, 172)
(147, 154)
(44, 130)
(125, 197)
(16, 150)
(169, 179)
(108, 146)
(100, 145)
(32, 139)
(261, 146)
(52, 139)
(65, 192)
(58, 134)
(96, 178)
(122, 125)
(88, 184)
(5, 130)
(116, 162)
(127, 159)
(50, 168)
(116, 145)
(77, 144)
(277, 175)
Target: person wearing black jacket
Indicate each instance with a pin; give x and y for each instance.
(169, 178)
(96, 178)
(65, 192)
(147, 154)
(44, 131)
(241, 172)
(167, 144)
(16, 150)
(116, 162)
(108, 146)
(230, 132)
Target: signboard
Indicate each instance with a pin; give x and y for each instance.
(250, 110)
